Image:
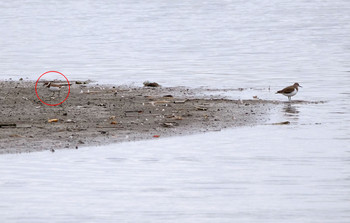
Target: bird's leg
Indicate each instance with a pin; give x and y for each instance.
(289, 98)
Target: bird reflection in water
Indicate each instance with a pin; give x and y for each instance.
(291, 111)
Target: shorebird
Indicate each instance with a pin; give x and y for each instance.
(289, 91)
(54, 88)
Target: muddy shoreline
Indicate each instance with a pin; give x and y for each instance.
(102, 114)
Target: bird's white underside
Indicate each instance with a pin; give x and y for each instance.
(291, 94)
(54, 89)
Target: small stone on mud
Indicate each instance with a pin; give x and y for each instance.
(151, 84)
(282, 123)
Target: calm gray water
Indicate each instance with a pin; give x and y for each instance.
(267, 173)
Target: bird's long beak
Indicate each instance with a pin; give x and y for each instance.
(300, 86)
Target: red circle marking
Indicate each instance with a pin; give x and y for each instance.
(37, 91)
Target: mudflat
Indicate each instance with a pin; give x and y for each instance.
(96, 114)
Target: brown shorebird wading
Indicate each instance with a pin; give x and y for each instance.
(289, 91)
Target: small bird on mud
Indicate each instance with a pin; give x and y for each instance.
(289, 91)
(54, 87)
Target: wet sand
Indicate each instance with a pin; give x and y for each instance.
(97, 115)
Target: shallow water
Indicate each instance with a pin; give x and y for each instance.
(252, 174)
(267, 173)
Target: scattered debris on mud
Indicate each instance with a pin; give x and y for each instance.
(95, 115)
